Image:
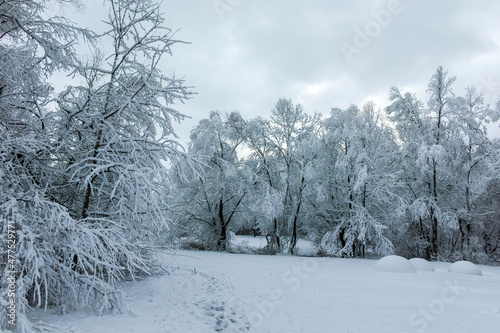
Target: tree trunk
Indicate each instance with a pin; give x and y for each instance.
(433, 234)
(221, 241)
(424, 236)
(464, 223)
(342, 237)
(293, 240)
(434, 220)
(88, 192)
(274, 243)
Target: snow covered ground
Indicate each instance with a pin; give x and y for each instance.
(303, 247)
(223, 292)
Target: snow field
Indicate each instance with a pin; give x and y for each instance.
(223, 292)
(297, 294)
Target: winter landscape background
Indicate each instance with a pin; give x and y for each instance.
(135, 199)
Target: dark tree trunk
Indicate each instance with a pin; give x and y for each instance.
(293, 240)
(221, 242)
(434, 220)
(342, 238)
(88, 192)
(274, 241)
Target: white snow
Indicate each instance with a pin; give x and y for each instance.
(223, 292)
(394, 264)
(422, 265)
(257, 242)
(188, 300)
(303, 247)
(465, 267)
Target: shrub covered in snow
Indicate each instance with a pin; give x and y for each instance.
(464, 267)
(394, 264)
(422, 265)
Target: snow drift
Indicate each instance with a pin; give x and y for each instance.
(464, 267)
(394, 264)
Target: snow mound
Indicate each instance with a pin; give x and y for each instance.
(422, 265)
(465, 267)
(394, 264)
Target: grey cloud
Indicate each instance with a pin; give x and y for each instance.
(263, 50)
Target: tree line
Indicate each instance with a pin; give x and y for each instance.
(417, 179)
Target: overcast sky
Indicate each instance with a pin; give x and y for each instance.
(245, 54)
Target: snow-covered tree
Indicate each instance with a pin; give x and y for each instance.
(278, 151)
(211, 196)
(264, 163)
(115, 132)
(472, 155)
(485, 230)
(425, 149)
(439, 114)
(405, 112)
(31, 49)
(445, 161)
(356, 199)
(80, 182)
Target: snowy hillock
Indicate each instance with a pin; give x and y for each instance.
(394, 264)
(465, 267)
(422, 265)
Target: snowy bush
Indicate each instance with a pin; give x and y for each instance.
(360, 229)
(394, 264)
(464, 267)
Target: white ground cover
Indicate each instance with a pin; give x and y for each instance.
(222, 292)
(303, 247)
